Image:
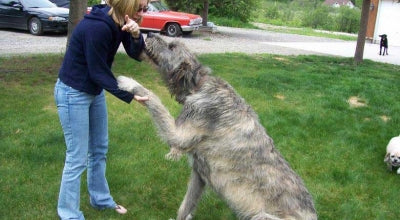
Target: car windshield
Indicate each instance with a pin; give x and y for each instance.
(61, 3)
(38, 4)
(159, 6)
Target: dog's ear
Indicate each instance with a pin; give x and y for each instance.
(387, 158)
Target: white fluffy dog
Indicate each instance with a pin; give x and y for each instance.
(392, 157)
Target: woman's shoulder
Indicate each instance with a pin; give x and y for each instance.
(98, 26)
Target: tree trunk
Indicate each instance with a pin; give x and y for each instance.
(358, 56)
(205, 12)
(77, 9)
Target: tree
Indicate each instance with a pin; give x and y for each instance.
(359, 54)
(191, 6)
(204, 13)
(77, 9)
(236, 9)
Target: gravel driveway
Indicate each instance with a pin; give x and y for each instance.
(224, 39)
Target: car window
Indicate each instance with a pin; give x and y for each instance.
(8, 2)
(152, 8)
(159, 6)
(38, 4)
(61, 3)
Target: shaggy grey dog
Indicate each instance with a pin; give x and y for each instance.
(230, 150)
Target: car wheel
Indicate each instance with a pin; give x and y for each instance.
(35, 26)
(173, 30)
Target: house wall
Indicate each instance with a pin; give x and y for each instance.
(387, 22)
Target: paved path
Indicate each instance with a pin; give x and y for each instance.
(225, 39)
(345, 49)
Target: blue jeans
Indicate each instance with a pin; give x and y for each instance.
(83, 119)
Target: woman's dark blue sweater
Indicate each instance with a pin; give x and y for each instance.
(90, 54)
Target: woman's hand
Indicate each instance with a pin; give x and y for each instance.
(141, 99)
(131, 26)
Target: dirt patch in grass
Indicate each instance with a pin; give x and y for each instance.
(279, 96)
(356, 102)
(385, 118)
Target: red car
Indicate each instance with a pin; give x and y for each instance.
(160, 19)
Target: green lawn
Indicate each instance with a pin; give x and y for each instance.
(302, 101)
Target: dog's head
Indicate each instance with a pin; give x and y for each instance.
(169, 56)
(383, 36)
(393, 152)
(393, 158)
(180, 69)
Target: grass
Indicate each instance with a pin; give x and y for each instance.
(302, 102)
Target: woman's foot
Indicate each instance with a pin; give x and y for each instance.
(120, 209)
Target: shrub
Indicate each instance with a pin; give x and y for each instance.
(239, 9)
(348, 19)
(93, 2)
(272, 12)
(318, 18)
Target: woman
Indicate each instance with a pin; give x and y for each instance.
(79, 95)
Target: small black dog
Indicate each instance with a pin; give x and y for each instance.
(383, 44)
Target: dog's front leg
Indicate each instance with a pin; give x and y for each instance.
(174, 154)
(161, 116)
(181, 138)
(192, 197)
(131, 85)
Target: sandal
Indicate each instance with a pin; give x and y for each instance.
(120, 209)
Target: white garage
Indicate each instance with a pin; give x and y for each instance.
(387, 21)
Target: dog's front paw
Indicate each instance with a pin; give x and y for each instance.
(398, 171)
(131, 85)
(126, 83)
(174, 154)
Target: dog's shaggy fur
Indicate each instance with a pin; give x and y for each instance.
(230, 150)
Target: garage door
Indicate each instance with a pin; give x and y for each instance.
(388, 22)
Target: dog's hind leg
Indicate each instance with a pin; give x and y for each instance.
(193, 194)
